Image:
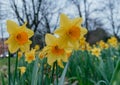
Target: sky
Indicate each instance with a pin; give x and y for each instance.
(4, 7)
(69, 9)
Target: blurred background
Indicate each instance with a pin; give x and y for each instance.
(100, 17)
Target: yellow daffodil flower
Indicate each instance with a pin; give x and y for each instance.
(19, 37)
(88, 47)
(53, 51)
(19, 54)
(37, 47)
(103, 45)
(22, 69)
(113, 41)
(82, 43)
(70, 31)
(30, 56)
(96, 51)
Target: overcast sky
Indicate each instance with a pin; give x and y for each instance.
(69, 9)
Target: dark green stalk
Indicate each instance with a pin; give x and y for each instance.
(56, 72)
(42, 72)
(115, 74)
(3, 80)
(9, 82)
(16, 64)
(53, 69)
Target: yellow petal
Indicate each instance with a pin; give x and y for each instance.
(11, 26)
(12, 45)
(64, 20)
(60, 63)
(25, 47)
(64, 58)
(63, 43)
(75, 45)
(30, 33)
(23, 26)
(83, 31)
(50, 39)
(77, 21)
(60, 31)
(50, 60)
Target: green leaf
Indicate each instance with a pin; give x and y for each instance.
(41, 73)
(35, 72)
(61, 81)
(101, 81)
(3, 81)
(116, 75)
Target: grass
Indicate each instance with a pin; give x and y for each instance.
(4, 62)
(4, 68)
(83, 69)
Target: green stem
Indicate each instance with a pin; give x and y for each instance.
(42, 72)
(9, 83)
(56, 73)
(53, 69)
(115, 74)
(15, 69)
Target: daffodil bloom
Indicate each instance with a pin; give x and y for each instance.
(113, 41)
(88, 47)
(103, 45)
(53, 51)
(22, 69)
(41, 55)
(82, 43)
(19, 54)
(69, 52)
(96, 51)
(70, 31)
(37, 47)
(60, 63)
(19, 37)
(30, 56)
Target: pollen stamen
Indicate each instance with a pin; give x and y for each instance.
(21, 37)
(74, 33)
(57, 51)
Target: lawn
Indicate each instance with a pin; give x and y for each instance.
(4, 68)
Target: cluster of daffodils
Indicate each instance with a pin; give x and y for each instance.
(65, 39)
(59, 45)
(101, 45)
(113, 42)
(83, 45)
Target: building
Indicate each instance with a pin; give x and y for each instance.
(3, 47)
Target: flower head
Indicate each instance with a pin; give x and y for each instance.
(22, 69)
(96, 51)
(19, 54)
(70, 31)
(82, 43)
(88, 47)
(37, 47)
(113, 41)
(103, 45)
(30, 56)
(19, 37)
(53, 50)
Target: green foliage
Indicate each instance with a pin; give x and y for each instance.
(82, 69)
(89, 70)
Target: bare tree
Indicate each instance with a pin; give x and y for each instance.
(37, 13)
(85, 10)
(111, 12)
